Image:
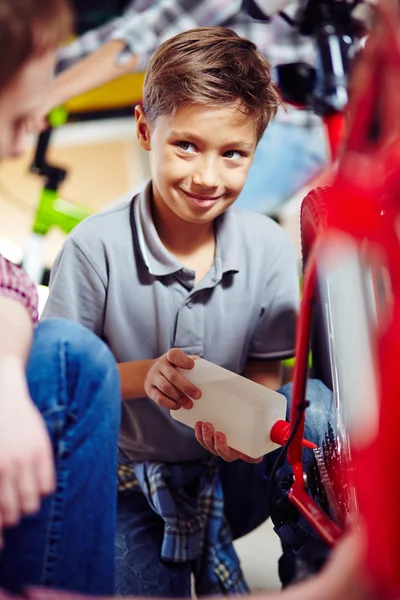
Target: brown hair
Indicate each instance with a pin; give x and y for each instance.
(210, 66)
(29, 28)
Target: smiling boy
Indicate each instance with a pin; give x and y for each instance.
(179, 272)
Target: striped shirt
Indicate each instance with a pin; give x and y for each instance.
(145, 24)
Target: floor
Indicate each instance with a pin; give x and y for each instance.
(259, 552)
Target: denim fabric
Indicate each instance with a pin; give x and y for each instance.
(69, 543)
(139, 569)
(140, 531)
(287, 156)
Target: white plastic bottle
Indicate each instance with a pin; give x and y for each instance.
(243, 410)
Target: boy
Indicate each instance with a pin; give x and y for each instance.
(176, 273)
(124, 42)
(59, 389)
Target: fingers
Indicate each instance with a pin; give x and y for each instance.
(179, 359)
(204, 433)
(170, 390)
(230, 454)
(165, 401)
(23, 483)
(10, 506)
(29, 491)
(215, 442)
(167, 394)
(178, 381)
(166, 385)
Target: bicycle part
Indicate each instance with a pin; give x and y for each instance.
(356, 259)
(313, 222)
(335, 32)
(51, 211)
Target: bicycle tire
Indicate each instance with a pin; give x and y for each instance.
(313, 221)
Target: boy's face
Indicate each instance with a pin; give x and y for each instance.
(20, 99)
(200, 158)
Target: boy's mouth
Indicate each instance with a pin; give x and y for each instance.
(201, 201)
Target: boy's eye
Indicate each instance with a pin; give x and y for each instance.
(233, 154)
(186, 146)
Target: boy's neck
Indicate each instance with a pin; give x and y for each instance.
(181, 238)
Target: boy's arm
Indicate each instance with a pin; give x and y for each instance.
(26, 463)
(138, 34)
(267, 373)
(133, 375)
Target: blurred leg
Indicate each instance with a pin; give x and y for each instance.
(69, 543)
(287, 156)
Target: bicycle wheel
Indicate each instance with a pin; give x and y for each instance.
(313, 221)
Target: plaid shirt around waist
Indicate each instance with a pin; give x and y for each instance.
(189, 498)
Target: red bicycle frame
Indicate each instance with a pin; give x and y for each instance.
(363, 204)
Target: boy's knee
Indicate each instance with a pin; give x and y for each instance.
(84, 348)
(321, 404)
(320, 410)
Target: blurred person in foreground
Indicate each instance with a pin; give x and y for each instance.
(59, 385)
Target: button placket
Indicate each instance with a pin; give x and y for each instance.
(189, 328)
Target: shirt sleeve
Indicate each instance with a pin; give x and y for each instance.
(274, 335)
(146, 24)
(15, 284)
(77, 291)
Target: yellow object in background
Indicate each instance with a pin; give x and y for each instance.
(120, 93)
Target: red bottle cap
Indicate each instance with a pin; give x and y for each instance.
(280, 434)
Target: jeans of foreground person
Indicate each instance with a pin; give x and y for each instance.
(70, 542)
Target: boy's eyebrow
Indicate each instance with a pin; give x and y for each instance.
(239, 144)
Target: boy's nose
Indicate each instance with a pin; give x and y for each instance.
(207, 176)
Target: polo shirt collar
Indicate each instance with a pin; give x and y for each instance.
(160, 261)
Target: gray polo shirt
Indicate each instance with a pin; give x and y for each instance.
(114, 276)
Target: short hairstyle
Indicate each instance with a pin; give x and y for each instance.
(210, 66)
(30, 28)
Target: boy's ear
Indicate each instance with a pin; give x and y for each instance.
(142, 128)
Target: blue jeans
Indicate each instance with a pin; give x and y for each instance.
(286, 157)
(69, 543)
(141, 572)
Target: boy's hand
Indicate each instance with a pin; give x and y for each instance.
(215, 442)
(167, 386)
(26, 457)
